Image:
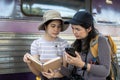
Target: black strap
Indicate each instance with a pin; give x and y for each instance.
(85, 63)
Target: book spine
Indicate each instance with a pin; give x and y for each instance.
(42, 66)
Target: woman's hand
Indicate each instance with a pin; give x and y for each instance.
(77, 61)
(25, 58)
(49, 74)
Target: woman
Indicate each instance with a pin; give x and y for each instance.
(84, 66)
(49, 45)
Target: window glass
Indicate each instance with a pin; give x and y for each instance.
(106, 11)
(6, 8)
(67, 8)
(10, 9)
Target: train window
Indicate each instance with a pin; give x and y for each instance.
(106, 11)
(10, 9)
(67, 8)
(6, 8)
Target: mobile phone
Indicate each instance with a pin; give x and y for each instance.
(70, 51)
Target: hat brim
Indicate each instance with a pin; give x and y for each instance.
(42, 26)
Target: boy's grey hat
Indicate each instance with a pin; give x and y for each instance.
(51, 15)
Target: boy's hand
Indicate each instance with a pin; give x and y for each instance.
(49, 74)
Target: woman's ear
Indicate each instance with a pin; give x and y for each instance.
(89, 29)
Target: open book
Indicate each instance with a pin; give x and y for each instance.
(53, 64)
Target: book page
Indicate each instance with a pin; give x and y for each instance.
(52, 64)
(36, 63)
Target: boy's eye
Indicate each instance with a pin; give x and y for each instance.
(52, 25)
(59, 26)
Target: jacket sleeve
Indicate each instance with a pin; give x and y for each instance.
(66, 71)
(103, 69)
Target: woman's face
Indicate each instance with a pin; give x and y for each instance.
(80, 32)
(53, 28)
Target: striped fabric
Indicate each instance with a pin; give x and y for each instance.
(48, 49)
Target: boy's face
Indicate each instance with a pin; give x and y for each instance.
(53, 28)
